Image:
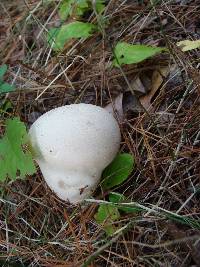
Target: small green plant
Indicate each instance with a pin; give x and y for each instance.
(78, 8)
(125, 53)
(105, 217)
(120, 198)
(15, 156)
(118, 202)
(5, 87)
(69, 8)
(5, 106)
(115, 174)
(57, 37)
(110, 211)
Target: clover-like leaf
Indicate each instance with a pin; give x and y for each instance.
(15, 156)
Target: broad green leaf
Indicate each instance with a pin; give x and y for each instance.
(105, 216)
(3, 70)
(130, 54)
(57, 37)
(6, 87)
(188, 45)
(118, 171)
(15, 156)
(52, 36)
(119, 198)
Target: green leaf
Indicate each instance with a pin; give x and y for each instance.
(5, 106)
(57, 37)
(78, 8)
(6, 87)
(188, 45)
(65, 9)
(105, 216)
(130, 54)
(100, 6)
(118, 171)
(13, 158)
(3, 70)
(119, 198)
(116, 197)
(82, 7)
(68, 8)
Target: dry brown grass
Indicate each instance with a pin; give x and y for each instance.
(36, 228)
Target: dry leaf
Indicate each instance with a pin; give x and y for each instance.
(138, 86)
(157, 80)
(129, 102)
(188, 45)
(122, 104)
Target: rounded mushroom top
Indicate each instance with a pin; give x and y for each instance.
(83, 136)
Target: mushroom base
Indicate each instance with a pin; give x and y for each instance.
(72, 186)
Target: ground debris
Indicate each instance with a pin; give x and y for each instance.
(38, 229)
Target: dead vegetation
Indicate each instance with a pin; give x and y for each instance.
(36, 228)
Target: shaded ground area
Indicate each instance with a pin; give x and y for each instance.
(38, 229)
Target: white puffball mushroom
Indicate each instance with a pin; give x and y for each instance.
(73, 144)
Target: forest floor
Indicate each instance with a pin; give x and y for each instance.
(36, 227)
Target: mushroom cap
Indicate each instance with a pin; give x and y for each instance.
(82, 134)
(77, 138)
